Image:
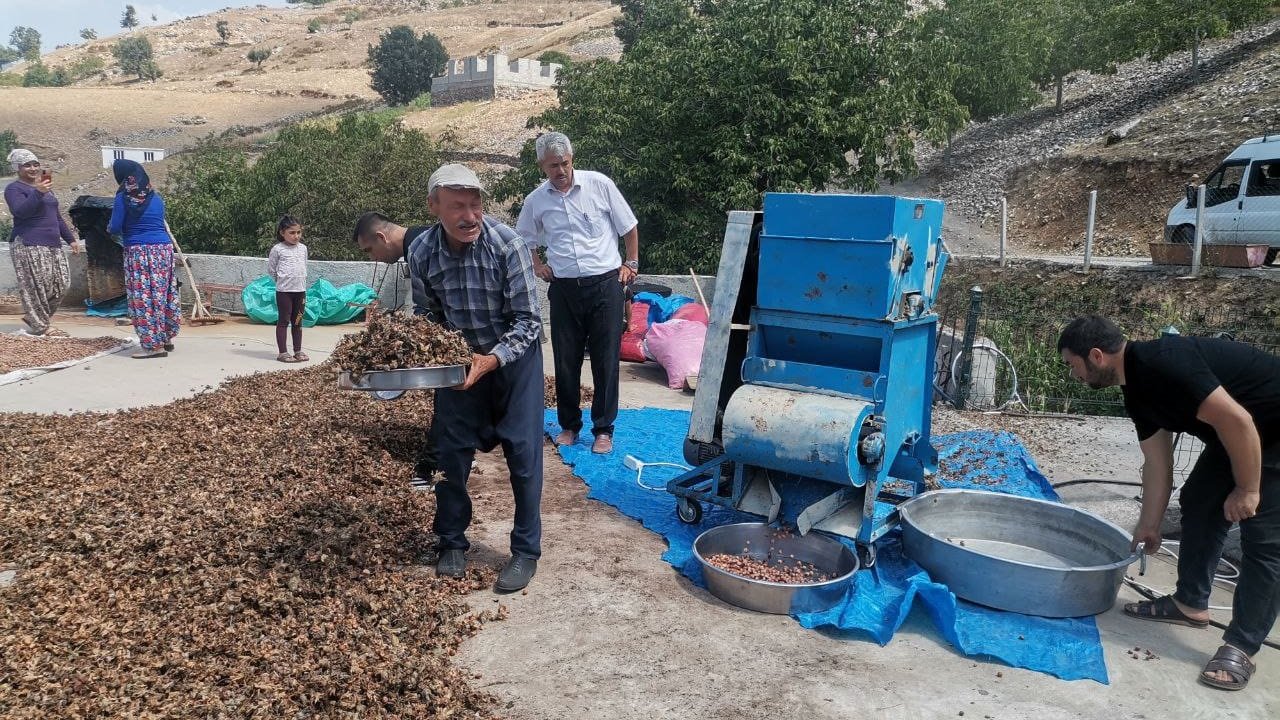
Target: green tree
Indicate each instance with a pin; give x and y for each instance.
(89, 34)
(314, 25)
(1092, 35)
(26, 41)
(135, 57)
(8, 54)
(995, 48)
(709, 113)
(40, 75)
(259, 56)
(129, 19)
(8, 141)
(224, 30)
(1167, 26)
(403, 64)
(557, 57)
(326, 174)
(644, 16)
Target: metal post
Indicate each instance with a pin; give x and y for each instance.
(1199, 243)
(965, 371)
(1088, 236)
(1004, 227)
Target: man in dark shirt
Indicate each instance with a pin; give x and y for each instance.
(1228, 395)
(380, 232)
(474, 274)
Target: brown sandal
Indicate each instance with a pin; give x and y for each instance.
(286, 358)
(300, 357)
(1162, 610)
(1233, 662)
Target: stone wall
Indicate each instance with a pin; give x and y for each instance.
(234, 270)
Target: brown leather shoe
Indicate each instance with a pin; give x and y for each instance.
(566, 437)
(603, 445)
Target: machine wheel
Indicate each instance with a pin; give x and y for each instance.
(866, 556)
(1184, 234)
(689, 511)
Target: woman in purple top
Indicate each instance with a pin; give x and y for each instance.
(149, 280)
(36, 242)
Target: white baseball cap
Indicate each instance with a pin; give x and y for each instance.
(455, 176)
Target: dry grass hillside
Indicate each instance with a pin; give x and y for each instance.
(210, 87)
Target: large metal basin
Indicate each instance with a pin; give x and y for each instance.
(827, 555)
(1014, 553)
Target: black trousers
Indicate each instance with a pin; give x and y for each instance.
(1204, 530)
(289, 307)
(586, 314)
(504, 408)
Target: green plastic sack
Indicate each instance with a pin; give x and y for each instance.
(326, 304)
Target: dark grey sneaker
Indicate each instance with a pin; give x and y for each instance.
(452, 563)
(516, 574)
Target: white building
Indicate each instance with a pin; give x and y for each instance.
(111, 153)
(490, 76)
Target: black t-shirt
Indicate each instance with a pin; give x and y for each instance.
(1167, 379)
(411, 234)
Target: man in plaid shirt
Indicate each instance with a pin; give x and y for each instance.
(472, 273)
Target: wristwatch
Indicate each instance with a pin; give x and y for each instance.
(633, 264)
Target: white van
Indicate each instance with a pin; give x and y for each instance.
(1241, 201)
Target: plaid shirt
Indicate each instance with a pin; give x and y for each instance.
(486, 292)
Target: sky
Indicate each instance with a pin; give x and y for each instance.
(60, 21)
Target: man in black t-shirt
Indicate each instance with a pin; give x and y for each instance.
(1227, 394)
(392, 245)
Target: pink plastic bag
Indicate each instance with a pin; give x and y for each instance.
(677, 346)
(691, 311)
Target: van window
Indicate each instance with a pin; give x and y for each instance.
(1224, 183)
(1264, 178)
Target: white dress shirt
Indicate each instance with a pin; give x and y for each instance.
(579, 228)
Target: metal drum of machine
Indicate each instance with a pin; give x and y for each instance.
(813, 403)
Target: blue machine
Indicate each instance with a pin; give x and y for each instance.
(814, 400)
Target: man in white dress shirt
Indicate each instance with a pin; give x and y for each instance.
(578, 216)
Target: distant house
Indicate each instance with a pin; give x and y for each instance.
(111, 153)
(490, 76)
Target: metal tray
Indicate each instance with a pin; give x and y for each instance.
(423, 378)
(1034, 557)
(828, 555)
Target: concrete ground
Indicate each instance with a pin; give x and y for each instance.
(608, 630)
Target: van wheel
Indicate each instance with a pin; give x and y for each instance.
(1184, 234)
(1271, 256)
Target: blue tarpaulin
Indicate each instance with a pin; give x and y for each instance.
(662, 308)
(883, 596)
(116, 307)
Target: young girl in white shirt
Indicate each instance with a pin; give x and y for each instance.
(287, 265)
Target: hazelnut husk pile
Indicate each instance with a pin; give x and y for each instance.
(24, 351)
(395, 341)
(251, 552)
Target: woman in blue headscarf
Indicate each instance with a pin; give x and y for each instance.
(149, 280)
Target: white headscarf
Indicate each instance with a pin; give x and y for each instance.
(19, 157)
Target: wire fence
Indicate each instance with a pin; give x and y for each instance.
(1000, 353)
